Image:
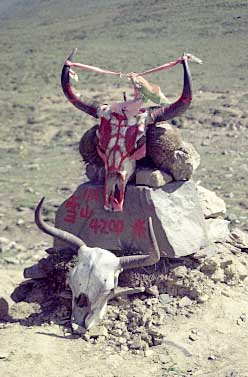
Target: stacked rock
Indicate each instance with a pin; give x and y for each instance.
(184, 215)
(168, 157)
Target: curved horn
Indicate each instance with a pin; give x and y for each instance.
(135, 261)
(55, 232)
(87, 106)
(160, 114)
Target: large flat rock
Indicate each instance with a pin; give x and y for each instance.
(175, 210)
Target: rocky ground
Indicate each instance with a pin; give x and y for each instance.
(159, 333)
(196, 327)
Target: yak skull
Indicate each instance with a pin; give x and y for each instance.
(121, 141)
(121, 133)
(92, 281)
(94, 278)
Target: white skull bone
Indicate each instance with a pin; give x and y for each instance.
(94, 278)
(92, 281)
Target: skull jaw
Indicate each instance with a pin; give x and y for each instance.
(114, 189)
(84, 318)
(114, 205)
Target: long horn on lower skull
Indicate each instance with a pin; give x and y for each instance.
(161, 114)
(55, 232)
(135, 261)
(86, 105)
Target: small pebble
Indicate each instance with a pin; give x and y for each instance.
(202, 299)
(184, 302)
(164, 299)
(225, 293)
(153, 290)
(97, 331)
(4, 355)
(20, 222)
(212, 357)
(193, 337)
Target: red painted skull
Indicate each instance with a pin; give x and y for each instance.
(121, 133)
(121, 141)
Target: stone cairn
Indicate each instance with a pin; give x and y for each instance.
(198, 251)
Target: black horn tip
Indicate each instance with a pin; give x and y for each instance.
(41, 202)
(74, 51)
(38, 207)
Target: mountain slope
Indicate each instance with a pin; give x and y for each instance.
(121, 35)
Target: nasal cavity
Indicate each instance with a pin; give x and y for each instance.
(117, 193)
(82, 300)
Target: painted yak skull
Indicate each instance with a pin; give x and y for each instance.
(94, 278)
(121, 134)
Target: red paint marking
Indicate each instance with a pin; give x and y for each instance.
(116, 226)
(104, 226)
(91, 194)
(71, 209)
(86, 212)
(94, 225)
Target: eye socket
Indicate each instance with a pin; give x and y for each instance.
(82, 300)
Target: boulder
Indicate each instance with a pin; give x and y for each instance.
(239, 239)
(152, 177)
(212, 205)
(217, 230)
(175, 210)
(186, 160)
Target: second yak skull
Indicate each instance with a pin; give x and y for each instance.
(121, 135)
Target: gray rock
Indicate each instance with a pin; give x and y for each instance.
(180, 272)
(175, 210)
(238, 238)
(207, 252)
(153, 290)
(96, 331)
(116, 332)
(218, 276)
(193, 337)
(217, 230)
(212, 205)
(157, 341)
(137, 343)
(203, 298)
(152, 177)
(11, 260)
(184, 302)
(4, 244)
(4, 355)
(154, 331)
(39, 271)
(146, 316)
(20, 222)
(164, 299)
(212, 357)
(122, 340)
(226, 293)
(79, 330)
(186, 161)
